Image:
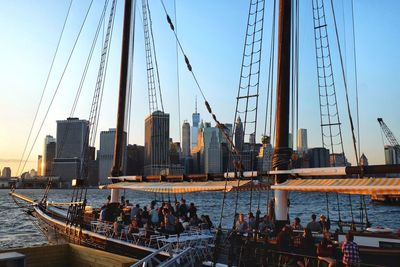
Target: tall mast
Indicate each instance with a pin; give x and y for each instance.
(282, 152)
(123, 87)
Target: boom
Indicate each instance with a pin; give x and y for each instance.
(389, 136)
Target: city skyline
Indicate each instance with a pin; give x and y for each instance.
(215, 59)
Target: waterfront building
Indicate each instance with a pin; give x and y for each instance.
(265, 154)
(363, 160)
(134, 160)
(6, 173)
(40, 165)
(49, 153)
(72, 137)
(338, 160)
(185, 139)
(391, 155)
(72, 140)
(195, 126)
(106, 153)
(212, 150)
(318, 157)
(174, 152)
(239, 134)
(207, 155)
(156, 144)
(93, 172)
(302, 144)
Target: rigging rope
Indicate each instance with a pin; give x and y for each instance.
(88, 60)
(356, 80)
(270, 75)
(177, 77)
(44, 88)
(59, 83)
(155, 56)
(219, 125)
(345, 83)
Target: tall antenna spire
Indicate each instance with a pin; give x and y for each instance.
(195, 105)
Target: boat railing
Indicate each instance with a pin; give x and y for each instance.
(183, 258)
(152, 257)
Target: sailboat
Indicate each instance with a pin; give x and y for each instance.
(73, 228)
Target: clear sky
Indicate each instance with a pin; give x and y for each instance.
(212, 33)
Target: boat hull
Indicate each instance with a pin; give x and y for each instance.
(55, 226)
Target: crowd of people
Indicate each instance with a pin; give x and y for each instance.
(165, 218)
(299, 239)
(325, 250)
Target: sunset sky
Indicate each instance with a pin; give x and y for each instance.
(212, 33)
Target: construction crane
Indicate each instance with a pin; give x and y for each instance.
(153, 79)
(390, 136)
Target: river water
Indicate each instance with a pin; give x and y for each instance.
(17, 229)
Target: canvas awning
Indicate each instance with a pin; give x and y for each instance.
(188, 187)
(363, 186)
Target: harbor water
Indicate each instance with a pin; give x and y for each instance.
(17, 229)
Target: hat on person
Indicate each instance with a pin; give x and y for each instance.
(322, 216)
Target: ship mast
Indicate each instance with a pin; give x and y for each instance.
(282, 151)
(123, 87)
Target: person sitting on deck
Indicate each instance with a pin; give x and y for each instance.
(122, 203)
(148, 231)
(117, 226)
(183, 208)
(169, 221)
(154, 216)
(252, 221)
(178, 226)
(283, 242)
(296, 224)
(192, 210)
(185, 222)
(135, 211)
(194, 221)
(133, 227)
(325, 225)
(326, 249)
(241, 224)
(351, 254)
(313, 225)
(103, 213)
(307, 247)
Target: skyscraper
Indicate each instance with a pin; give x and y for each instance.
(213, 152)
(319, 157)
(186, 139)
(105, 154)
(156, 144)
(71, 137)
(239, 134)
(265, 155)
(40, 165)
(134, 160)
(302, 145)
(208, 152)
(195, 125)
(72, 143)
(6, 172)
(49, 153)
